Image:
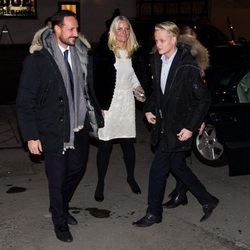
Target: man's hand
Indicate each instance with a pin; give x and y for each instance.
(150, 117)
(201, 128)
(184, 134)
(35, 147)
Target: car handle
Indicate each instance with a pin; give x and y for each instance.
(216, 117)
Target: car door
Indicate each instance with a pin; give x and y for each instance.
(230, 113)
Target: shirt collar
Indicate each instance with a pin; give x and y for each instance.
(63, 49)
(168, 60)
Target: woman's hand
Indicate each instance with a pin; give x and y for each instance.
(139, 94)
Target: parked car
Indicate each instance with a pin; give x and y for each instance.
(226, 138)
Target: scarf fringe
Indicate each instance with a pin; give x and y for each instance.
(78, 128)
(67, 147)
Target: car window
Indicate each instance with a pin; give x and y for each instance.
(231, 86)
(225, 81)
(243, 89)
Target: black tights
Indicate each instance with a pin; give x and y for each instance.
(103, 156)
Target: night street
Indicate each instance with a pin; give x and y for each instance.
(71, 67)
(26, 224)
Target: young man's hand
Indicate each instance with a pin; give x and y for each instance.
(184, 134)
(150, 117)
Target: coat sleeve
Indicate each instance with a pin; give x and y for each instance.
(150, 105)
(104, 77)
(140, 62)
(92, 96)
(200, 102)
(26, 102)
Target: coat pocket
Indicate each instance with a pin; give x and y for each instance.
(155, 134)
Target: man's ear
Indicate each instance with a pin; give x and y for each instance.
(175, 39)
(57, 28)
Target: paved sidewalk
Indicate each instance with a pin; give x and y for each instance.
(26, 225)
(13, 159)
(9, 136)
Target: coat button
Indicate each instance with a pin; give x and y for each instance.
(61, 119)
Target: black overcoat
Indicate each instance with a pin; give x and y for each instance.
(184, 103)
(42, 103)
(104, 74)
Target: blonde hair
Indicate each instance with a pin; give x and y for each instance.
(170, 27)
(132, 44)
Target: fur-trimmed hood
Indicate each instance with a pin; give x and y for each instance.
(81, 47)
(37, 43)
(197, 50)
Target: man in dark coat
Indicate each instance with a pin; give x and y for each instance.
(176, 108)
(55, 113)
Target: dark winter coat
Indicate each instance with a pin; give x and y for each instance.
(105, 74)
(42, 103)
(184, 103)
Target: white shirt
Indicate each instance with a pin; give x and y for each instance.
(69, 54)
(165, 67)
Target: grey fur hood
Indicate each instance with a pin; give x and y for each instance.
(197, 50)
(81, 48)
(37, 43)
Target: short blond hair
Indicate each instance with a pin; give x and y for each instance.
(170, 27)
(132, 44)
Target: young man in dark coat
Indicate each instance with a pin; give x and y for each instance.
(176, 108)
(53, 108)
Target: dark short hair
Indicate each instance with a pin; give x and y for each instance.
(48, 19)
(58, 17)
(186, 30)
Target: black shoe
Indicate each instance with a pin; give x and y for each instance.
(134, 186)
(71, 220)
(176, 201)
(99, 192)
(173, 194)
(208, 209)
(147, 221)
(63, 233)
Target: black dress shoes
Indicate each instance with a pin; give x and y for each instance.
(134, 186)
(176, 201)
(147, 221)
(173, 194)
(208, 209)
(71, 220)
(62, 233)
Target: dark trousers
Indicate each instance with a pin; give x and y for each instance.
(104, 152)
(162, 163)
(64, 172)
(180, 187)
